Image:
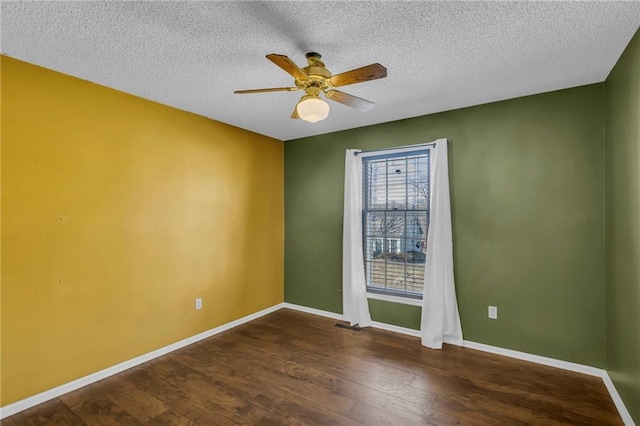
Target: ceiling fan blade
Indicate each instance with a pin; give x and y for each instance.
(295, 115)
(288, 65)
(273, 89)
(359, 75)
(349, 100)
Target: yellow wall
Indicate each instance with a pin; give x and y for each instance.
(117, 213)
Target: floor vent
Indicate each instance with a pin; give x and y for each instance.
(349, 327)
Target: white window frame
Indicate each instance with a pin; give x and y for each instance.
(401, 299)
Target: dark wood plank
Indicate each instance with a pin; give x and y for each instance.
(53, 412)
(191, 405)
(139, 404)
(372, 415)
(427, 368)
(293, 407)
(381, 392)
(321, 355)
(15, 420)
(277, 375)
(290, 368)
(169, 417)
(206, 400)
(96, 409)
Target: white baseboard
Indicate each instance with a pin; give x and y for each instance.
(29, 402)
(339, 317)
(395, 328)
(16, 407)
(622, 409)
(551, 362)
(313, 311)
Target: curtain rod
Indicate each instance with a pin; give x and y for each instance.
(399, 147)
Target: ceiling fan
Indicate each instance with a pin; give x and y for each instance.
(314, 79)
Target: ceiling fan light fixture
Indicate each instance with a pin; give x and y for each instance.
(312, 109)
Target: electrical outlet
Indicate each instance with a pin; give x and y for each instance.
(198, 303)
(493, 312)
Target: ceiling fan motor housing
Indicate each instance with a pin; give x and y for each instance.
(316, 71)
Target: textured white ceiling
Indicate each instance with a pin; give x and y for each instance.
(439, 55)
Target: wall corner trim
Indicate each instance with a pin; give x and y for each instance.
(18, 406)
(23, 404)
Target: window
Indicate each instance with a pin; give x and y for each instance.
(395, 219)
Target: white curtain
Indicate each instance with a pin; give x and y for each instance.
(440, 319)
(354, 290)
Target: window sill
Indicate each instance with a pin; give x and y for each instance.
(395, 299)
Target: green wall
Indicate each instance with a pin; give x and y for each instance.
(528, 215)
(622, 212)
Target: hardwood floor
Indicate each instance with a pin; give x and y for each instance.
(294, 368)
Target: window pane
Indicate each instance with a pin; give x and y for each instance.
(416, 231)
(374, 225)
(374, 249)
(397, 184)
(394, 224)
(395, 273)
(417, 182)
(375, 274)
(395, 221)
(375, 179)
(415, 277)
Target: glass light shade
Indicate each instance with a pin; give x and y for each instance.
(313, 109)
